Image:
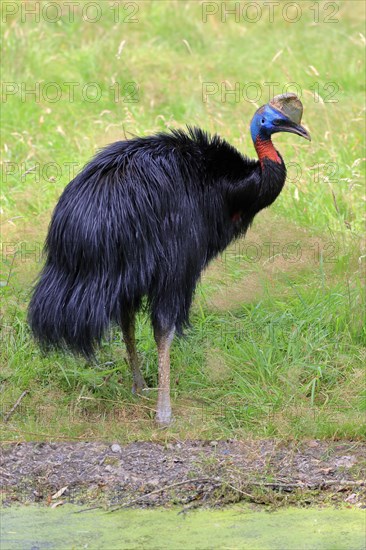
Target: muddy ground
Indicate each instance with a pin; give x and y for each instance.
(190, 473)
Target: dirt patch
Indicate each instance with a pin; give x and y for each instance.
(190, 473)
(271, 251)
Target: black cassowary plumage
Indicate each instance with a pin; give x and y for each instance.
(143, 219)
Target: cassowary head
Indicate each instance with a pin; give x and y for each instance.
(282, 114)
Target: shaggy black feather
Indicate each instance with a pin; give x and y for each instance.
(143, 218)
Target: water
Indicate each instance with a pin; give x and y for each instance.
(32, 528)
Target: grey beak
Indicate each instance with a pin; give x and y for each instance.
(301, 131)
(295, 129)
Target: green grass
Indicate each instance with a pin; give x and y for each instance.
(277, 344)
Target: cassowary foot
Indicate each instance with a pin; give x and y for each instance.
(139, 384)
(164, 419)
(164, 415)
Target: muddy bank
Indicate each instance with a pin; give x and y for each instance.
(191, 473)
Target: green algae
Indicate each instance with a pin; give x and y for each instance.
(237, 527)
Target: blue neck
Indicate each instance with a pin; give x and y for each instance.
(255, 130)
(258, 130)
(261, 129)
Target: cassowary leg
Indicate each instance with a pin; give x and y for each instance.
(163, 341)
(128, 331)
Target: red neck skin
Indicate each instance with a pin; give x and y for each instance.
(266, 150)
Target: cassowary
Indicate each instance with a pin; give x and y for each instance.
(143, 219)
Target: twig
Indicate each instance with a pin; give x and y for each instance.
(88, 509)
(335, 202)
(15, 406)
(243, 493)
(11, 268)
(54, 437)
(165, 488)
(307, 485)
(27, 171)
(344, 483)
